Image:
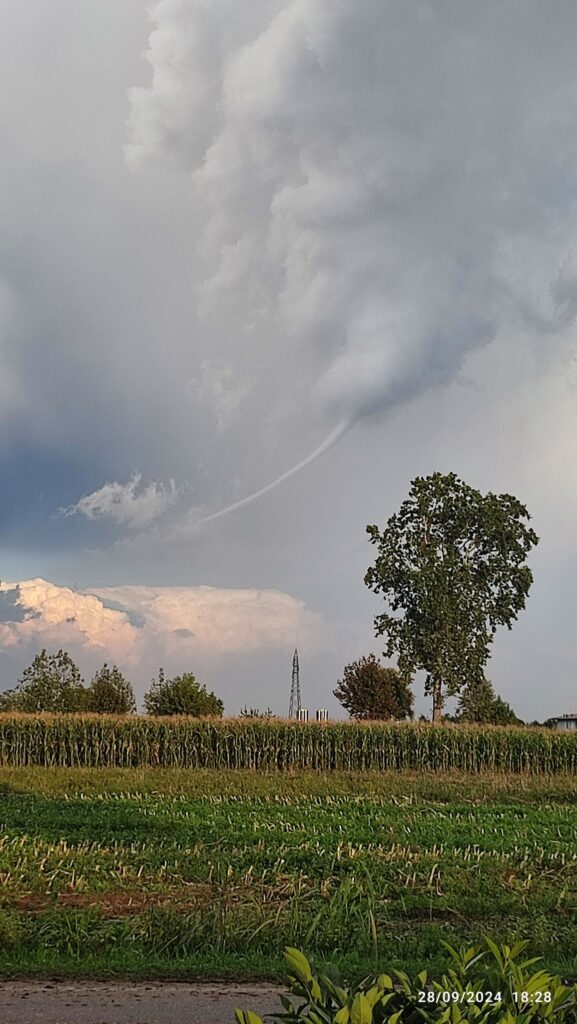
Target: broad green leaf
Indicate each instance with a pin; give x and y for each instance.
(298, 964)
(247, 1017)
(385, 981)
(343, 1016)
(361, 1010)
(315, 990)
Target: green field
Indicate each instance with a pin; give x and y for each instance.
(179, 873)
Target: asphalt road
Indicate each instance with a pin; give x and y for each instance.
(38, 1002)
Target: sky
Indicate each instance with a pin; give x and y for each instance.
(237, 238)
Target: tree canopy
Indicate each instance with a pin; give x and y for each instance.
(452, 562)
(110, 693)
(51, 683)
(478, 702)
(183, 695)
(368, 690)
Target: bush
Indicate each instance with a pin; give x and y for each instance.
(12, 931)
(464, 993)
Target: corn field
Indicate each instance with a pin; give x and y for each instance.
(104, 741)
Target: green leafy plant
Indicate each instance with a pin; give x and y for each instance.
(51, 683)
(183, 695)
(369, 690)
(478, 702)
(110, 693)
(452, 563)
(486, 986)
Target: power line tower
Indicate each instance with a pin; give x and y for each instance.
(295, 701)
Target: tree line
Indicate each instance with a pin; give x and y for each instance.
(53, 683)
(367, 691)
(370, 691)
(451, 568)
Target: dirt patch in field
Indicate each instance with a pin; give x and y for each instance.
(110, 904)
(189, 896)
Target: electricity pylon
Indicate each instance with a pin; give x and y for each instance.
(295, 701)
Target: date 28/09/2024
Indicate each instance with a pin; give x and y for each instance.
(446, 996)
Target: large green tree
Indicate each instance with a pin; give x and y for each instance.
(478, 702)
(110, 693)
(368, 691)
(51, 683)
(183, 695)
(452, 562)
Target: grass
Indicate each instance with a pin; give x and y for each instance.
(174, 873)
(438, 787)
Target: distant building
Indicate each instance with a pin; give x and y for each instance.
(565, 722)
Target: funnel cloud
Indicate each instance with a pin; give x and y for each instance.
(331, 440)
(371, 178)
(232, 232)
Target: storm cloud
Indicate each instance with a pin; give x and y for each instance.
(388, 185)
(234, 238)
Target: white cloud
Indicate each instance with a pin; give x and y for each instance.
(57, 616)
(133, 625)
(125, 504)
(218, 621)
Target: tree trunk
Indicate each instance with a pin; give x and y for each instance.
(437, 701)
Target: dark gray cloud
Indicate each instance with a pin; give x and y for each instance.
(325, 214)
(383, 186)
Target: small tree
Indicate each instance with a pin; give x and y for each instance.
(110, 693)
(368, 690)
(51, 683)
(452, 561)
(183, 695)
(480, 703)
(255, 713)
(7, 700)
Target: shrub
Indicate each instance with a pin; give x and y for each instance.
(490, 986)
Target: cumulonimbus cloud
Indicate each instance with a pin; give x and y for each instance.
(132, 624)
(214, 620)
(49, 615)
(389, 183)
